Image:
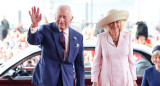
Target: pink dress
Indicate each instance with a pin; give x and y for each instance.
(113, 65)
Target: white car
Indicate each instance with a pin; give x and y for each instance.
(19, 69)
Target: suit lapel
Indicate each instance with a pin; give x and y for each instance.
(72, 43)
(121, 39)
(109, 39)
(56, 35)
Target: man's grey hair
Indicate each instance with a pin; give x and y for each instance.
(64, 6)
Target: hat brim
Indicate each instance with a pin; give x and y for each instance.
(113, 16)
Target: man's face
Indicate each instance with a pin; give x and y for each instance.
(63, 18)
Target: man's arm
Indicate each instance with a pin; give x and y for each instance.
(34, 37)
(79, 67)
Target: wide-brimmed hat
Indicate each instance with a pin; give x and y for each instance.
(113, 15)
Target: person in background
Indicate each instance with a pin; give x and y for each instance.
(20, 28)
(97, 29)
(4, 27)
(151, 75)
(62, 49)
(88, 32)
(113, 63)
(142, 34)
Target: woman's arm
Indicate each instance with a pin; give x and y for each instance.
(135, 83)
(95, 71)
(131, 59)
(94, 84)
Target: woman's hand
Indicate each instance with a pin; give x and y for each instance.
(36, 17)
(94, 84)
(135, 83)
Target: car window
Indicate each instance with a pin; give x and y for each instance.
(88, 57)
(24, 68)
(31, 62)
(88, 53)
(141, 63)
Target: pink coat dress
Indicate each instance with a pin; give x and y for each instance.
(113, 65)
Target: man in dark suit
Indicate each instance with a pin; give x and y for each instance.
(4, 28)
(55, 67)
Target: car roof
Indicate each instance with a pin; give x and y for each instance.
(142, 48)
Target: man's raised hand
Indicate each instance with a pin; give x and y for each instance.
(36, 17)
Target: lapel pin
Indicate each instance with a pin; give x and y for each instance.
(75, 38)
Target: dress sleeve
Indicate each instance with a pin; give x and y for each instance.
(96, 67)
(131, 59)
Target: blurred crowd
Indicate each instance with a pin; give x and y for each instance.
(12, 41)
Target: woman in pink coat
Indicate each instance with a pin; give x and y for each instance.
(113, 63)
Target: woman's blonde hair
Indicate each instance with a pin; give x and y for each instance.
(122, 25)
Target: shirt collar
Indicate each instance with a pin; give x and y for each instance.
(66, 31)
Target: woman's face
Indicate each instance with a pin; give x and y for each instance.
(156, 60)
(114, 26)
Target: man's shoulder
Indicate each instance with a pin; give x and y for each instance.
(50, 26)
(73, 31)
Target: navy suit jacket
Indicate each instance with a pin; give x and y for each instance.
(47, 70)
